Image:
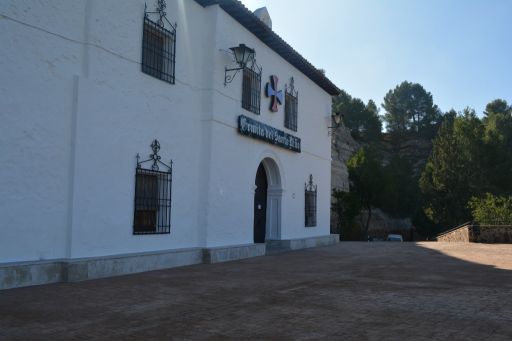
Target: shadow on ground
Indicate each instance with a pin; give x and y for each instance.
(354, 290)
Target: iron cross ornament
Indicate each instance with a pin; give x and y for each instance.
(276, 96)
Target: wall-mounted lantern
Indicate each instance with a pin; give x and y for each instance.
(242, 55)
(336, 119)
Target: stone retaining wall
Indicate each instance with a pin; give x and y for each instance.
(495, 234)
(459, 234)
(470, 233)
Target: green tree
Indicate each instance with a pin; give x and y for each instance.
(498, 106)
(448, 117)
(454, 171)
(400, 194)
(365, 174)
(410, 108)
(491, 209)
(361, 119)
(498, 143)
(347, 207)
(374, 122)
(498, 122)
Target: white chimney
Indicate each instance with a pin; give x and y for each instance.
(262, 14)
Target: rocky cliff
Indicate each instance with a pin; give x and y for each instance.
(342, 148)
(412, 148)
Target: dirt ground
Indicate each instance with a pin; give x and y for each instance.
(351, 291)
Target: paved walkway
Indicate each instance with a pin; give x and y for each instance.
(351, 291)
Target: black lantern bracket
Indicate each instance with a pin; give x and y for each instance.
(336, 121)
(161, 13)
(244, 56)
(155, 158)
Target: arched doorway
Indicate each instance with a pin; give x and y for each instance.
(260, 205)
(267, 202)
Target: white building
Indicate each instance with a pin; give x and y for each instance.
(81, 95)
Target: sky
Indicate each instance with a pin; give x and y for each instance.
(458, 50)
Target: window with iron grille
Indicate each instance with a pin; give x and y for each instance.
(158, 50)
(310, 203)
(291, 104)
(153, 187)
(251, 90)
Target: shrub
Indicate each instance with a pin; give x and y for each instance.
(491, 209)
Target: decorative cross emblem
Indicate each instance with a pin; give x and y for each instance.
(162, 14)
(155, 157)
(160, 8)
(276, 96)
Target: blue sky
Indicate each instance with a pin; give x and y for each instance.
(459, 50)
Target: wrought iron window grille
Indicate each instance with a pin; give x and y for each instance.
(310, 192)
(291, 104)
(251, 88)
(159, 44)
(153, 188)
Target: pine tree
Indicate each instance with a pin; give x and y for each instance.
(454, 171)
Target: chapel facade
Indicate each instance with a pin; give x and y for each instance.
(145, 136)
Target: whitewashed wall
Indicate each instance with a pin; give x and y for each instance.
(38, 58)
(76, 109)
(235, 158)
(122, 111)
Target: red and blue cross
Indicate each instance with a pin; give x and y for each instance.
(276, 96)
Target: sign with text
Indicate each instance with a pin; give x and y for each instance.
(249, 127)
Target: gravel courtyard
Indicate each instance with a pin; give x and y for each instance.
(351, 291)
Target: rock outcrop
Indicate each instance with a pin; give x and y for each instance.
(412, 148)
(343, 147)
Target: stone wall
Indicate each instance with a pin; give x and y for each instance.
(495, 234)
(469, 233)
(460, 234)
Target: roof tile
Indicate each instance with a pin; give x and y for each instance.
(252, 23)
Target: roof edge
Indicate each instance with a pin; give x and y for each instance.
(253, 24)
